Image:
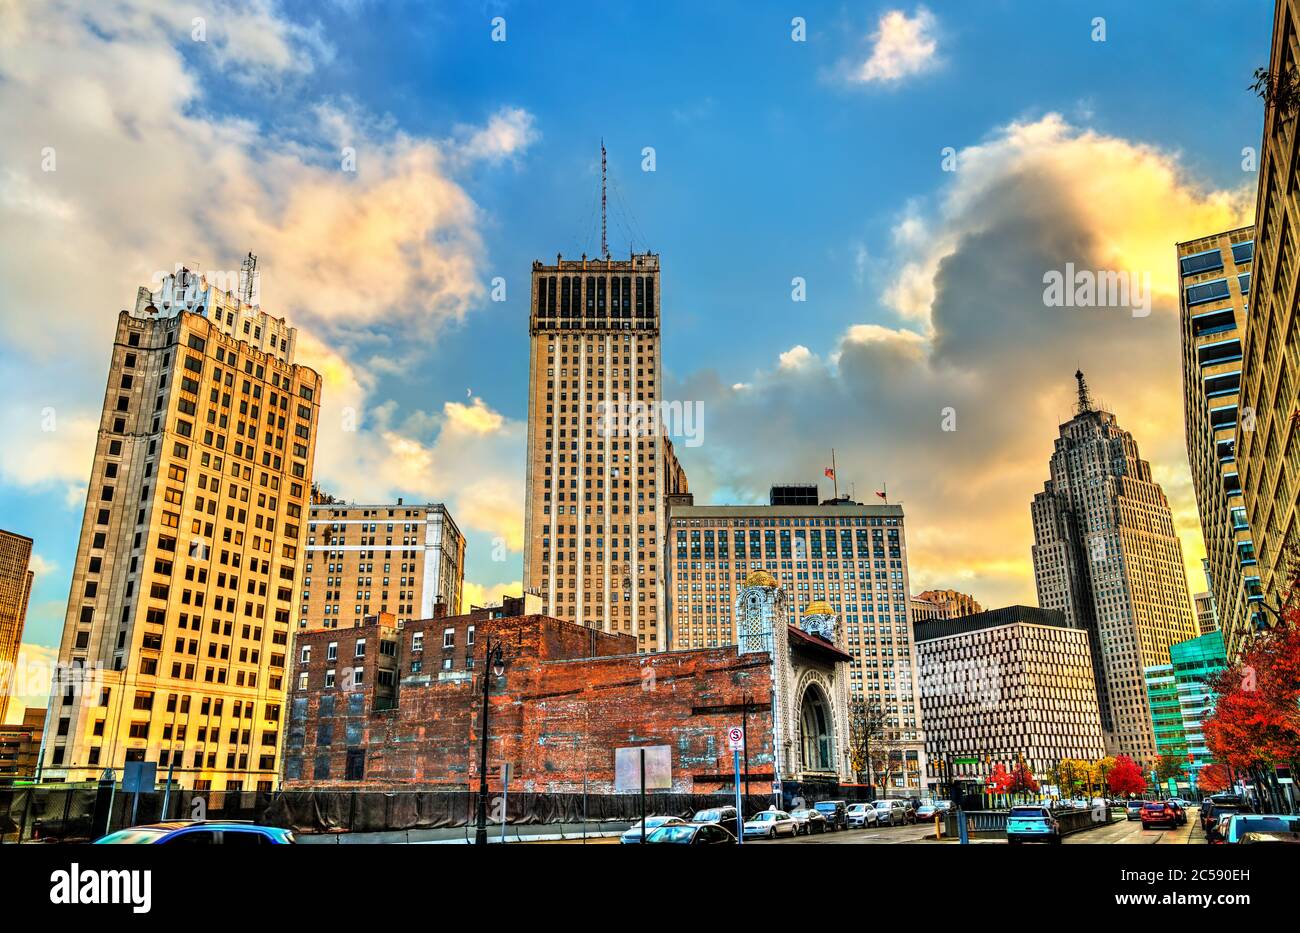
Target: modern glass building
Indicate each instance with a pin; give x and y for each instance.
(1181, 699)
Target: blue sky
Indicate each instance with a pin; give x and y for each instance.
(771, 162)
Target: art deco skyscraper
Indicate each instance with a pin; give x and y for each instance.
(184, 589)
(599, 463)
(1214, 272)
(15, 590)
(1106, 554)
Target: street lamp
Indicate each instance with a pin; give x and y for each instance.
(491, 659)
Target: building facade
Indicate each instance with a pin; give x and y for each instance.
(367, 559)
(185, 586)
(599, 464)
(1182, 699)
(20, 746)
(386, 705)
(1215, 273)
(16, 579)
(1268, 457)
(1105, 553)
(946, 604)
(848, 556)
(1006, 685)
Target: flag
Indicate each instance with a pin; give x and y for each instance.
(829, 472)
(882, 495)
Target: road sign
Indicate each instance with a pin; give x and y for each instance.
(965, 761)
(139, 776)
(658, 768)
(736, 738)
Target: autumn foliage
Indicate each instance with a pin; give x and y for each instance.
(1126, 777)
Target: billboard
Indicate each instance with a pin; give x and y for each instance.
(658, 768)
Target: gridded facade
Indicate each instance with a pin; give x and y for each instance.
(1182, 699)
(1105, 554)
(1006, 683)
(185, 585)
(1268, 457)
(598, 464)
(850, 556)
(15, 591)
(1215, 275)
(366, 559)
(950, 604)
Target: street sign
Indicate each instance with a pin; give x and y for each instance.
(736, 738)
(965, 761)
(658, 768)
(139, 776)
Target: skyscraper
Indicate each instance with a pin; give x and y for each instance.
(15, 590)
(838, 558)
(367, 559)
(1181, 699)
(1106, 554)
(599, 463)
(1268, 453)
(1215, 279)
(185, 584)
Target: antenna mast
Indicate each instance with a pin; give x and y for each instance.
(604, 240)
(247, 270)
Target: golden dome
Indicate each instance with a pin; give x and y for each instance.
(761, 578)
(818, 607)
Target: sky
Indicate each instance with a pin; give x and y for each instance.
(909, 172)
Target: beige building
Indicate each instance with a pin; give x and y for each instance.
(1206, 619)
(943, 604)
(1268, 457)
(1215, 273)
(366, 559)
(1007, 683)
(1106, 555)
(15, 590)
(188, 569)
(838, 558)
(599, 462)
(20, 745)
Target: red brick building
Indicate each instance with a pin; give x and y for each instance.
(379, 705)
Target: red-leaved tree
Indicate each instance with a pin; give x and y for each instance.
(1212, 779)
(1126, 777)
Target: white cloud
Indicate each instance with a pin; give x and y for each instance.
(901, 46)
(796, 357)
(508, 133)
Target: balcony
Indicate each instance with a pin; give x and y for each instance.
(1219, 351)
(1217, 321)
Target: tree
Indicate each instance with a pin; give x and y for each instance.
(1126, 777)
(1213, 778)
(1280, 91)
(1171, 765)
(866, 728)
(1022, 779)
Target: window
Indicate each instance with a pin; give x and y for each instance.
(417, 641)
(449, 638)
(361, 648)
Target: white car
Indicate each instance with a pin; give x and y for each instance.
(633, 834)
(768, 824)
(862, 814)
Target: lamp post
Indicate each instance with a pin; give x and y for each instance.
(491, 659)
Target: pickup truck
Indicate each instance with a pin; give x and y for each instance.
(1033, 824)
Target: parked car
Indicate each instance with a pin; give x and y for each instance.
(1214, 807)
(200, 833)
(1255, 828)
(633, 834)
(861, 815)
(691, 834)
(723, 816)
(808, 822)
(1158, 813)
(1217, 834)
(1133, 809)
(894, 812)
(1032, 824)
(836, 813)
(769, 824)
(926, 811)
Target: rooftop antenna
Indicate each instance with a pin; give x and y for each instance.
(1085, 400)
(247, 270)
(604, 239)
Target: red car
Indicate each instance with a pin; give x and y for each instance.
(1157, 813)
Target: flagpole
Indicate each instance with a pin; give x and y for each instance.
(835, 476)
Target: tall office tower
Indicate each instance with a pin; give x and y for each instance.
(1215, 275)
(1006, 684)
(15, 590)
(1105, 553)
(185, 584)
(1181, 699)
(1268, 457)
(366, 559)
(839, 557)
(599, 462)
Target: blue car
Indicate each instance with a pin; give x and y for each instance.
(200, 833)
(1032, 824)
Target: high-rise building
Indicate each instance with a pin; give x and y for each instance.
(949, 604)
(1206, 619)
(186, 581)
(1181, 699)
(366, 559)
(1268, 447)
(1007, 685)
(1215, 276)
(20, 745)
(599, 464)
(15, 590)
(839, 558)
(1106, 554)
